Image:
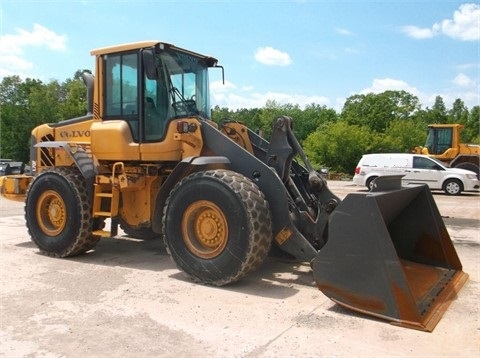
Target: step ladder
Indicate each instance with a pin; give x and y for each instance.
(106, 197)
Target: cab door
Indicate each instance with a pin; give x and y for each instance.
(424, 171)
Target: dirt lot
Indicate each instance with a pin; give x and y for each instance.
(127, 299)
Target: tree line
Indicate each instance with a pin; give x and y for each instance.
(392, 121)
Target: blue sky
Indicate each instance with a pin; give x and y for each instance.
(297, 52)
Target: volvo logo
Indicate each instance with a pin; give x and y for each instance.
(74, 134)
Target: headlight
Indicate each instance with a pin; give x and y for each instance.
(471, 176)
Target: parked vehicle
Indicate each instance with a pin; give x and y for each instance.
(417, 169)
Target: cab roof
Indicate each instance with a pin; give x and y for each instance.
(146, 44)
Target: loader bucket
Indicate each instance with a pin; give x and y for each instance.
(389, 255)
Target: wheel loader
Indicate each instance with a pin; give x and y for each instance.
(148, 158)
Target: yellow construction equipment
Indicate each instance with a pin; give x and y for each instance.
(443, 143)
(148, 157)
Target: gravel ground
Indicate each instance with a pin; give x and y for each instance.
(127, 299)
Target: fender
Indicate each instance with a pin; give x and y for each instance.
(185, 167)
(81, 159)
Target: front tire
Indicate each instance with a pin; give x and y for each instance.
(58, 213)
(217, 226)
(452, 187)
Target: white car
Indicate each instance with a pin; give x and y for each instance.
(417, 169)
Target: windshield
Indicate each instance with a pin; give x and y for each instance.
(438, 140)
(187, 83)
(429, 143)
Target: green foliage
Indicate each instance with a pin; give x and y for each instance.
(340, 145)
(438, 113)
(459, 113)
(304, 121)
(21, 106)
(376, 111)
(74, 104)
(311, 118)
(25, 104)
(471, 132)
(402, 136)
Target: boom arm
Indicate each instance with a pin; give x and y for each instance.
(299, 217)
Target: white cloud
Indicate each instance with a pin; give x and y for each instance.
(247, 88)
(463, 80)
(342, 31)
(464, 26)
(12, 59)
(14, 63)
(417, 32)
(390, 84)
(273, 57)
(468, 91)
(219, 86)
(246, 98)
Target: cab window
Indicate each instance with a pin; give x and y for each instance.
(121, 89)
(444, 140)
(185, 83)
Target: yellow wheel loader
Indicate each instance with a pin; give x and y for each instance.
(148, 158)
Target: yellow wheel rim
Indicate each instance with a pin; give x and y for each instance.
(51, 213)
(204, 229)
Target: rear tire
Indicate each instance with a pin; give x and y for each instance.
(470, 166)
(452, 187)
(217, 226)
(58, 213)
(369, 183)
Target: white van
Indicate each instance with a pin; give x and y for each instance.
(418, 169)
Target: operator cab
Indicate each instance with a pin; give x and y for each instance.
(439, 139)
(149, 84)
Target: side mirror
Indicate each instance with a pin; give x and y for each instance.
(149, 64)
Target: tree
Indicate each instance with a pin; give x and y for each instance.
(376, 111)
(12, 107)
(28, 103)
(402, 136)
(311, 118)
(220, 113)
(340, 146)
(471, 133)
(458, 113)
(23, 104)
(438, 113)
(73, 104)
